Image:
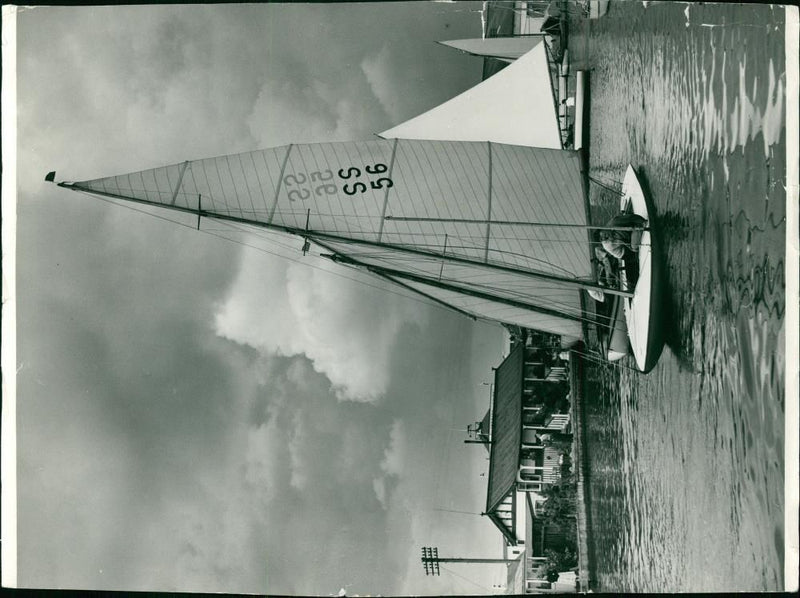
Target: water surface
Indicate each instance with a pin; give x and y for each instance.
(686, 463)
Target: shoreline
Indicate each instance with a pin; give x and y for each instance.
(580, 463)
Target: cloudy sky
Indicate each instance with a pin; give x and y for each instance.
(195, 414)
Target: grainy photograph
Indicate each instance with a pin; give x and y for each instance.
(408, 298)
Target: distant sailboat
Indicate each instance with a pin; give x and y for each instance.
(495, 230)
(516, 106)
(502, 48)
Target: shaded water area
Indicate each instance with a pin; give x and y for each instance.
(685, 465)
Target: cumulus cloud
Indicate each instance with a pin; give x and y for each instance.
(296, 105)
(300, 438)
(394, 457)
(261, 456)
(176, 455)
(346, 330)
(393, 463)
(379, 486)
(378, 71)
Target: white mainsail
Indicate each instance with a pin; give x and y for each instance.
(503, 48)
(515, 106)
(494, 230)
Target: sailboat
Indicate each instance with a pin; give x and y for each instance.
(515, 106)
(506, 49)
(496, 230)
(530, 117)
(645, 329)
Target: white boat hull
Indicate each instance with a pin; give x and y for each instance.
(580, 95)
(645, 328)
(618, 345)
(597, 8)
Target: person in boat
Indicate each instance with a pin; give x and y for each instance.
(621, 243)
(605, 269)
(605, 273)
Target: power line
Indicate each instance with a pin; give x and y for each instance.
(457, 511)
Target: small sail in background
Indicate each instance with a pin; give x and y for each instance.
(502, 48)
(516, 106)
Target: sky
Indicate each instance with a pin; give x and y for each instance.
(197, 414)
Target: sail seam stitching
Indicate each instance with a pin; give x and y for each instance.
(180, 182)
(280, 182)
(386, 195)
(489, 215)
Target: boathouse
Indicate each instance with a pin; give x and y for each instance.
(529, 404)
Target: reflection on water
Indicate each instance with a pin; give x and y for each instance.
(686, 463)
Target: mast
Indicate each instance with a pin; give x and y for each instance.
(321, 236)
(513, 223)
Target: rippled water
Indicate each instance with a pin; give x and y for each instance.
(686, 463)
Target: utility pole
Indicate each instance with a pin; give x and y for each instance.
(431, 559)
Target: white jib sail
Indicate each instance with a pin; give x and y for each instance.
(516, 106)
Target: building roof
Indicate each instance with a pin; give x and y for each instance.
(506, 427)
(485, 434)
(505, 519)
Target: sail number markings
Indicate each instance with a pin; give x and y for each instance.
(293, 181)
(360, 186)
(300, 184)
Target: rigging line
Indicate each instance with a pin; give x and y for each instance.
(496, 238)
(613, 180)
(417, 295)
(304, 263)
(460, 273)
(455, 511)
(262, 234)
(568, 309)
(509, 223)
(211, 233)
(428, 281)
(551, 298)
(392, 253)
(133, 209)
(335, 238)
(603, 361)
(606, 187)
(444, 254)
(505, 238)
(261, 249)
(475, 583)
(534, 260)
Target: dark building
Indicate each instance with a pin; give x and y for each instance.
(529, 404)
